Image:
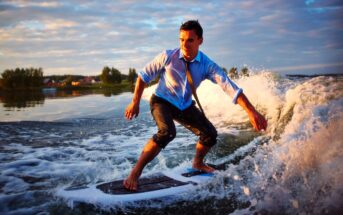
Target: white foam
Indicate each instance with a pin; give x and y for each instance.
(95, 196)
(263, 89)
(300, 172)
(301, 167)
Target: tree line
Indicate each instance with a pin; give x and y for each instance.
(114, 76)
(22, 78)
(26, 78)
(234, 74)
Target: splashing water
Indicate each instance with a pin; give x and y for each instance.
(293, 167)
(298, 170)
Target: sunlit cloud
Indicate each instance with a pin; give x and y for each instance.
(61, 70)
(42, 54)
(58, 24)
(45, 4)
(87, 35)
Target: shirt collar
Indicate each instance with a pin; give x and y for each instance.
(197, 58)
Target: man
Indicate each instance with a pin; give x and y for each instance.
(172, 99)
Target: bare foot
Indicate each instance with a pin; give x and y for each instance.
(131, 182)
(203, 167)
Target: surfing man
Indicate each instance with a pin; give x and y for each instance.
(172, 99)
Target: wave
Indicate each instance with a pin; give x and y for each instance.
(293, 167)
(298, 170)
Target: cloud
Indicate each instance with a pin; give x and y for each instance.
(58, 24)
(306, 67)
(87, 35)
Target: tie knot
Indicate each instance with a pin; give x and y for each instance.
(187, 63)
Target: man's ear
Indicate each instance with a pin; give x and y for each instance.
(201, 40)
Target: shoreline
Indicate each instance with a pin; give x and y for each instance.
(312, 76)
(122, 86)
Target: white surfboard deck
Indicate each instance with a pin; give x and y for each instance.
(167, 183)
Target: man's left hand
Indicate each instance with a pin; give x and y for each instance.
(257, 120)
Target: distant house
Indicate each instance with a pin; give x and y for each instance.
(46, 81)
(49, 82)
(87, 80)
(75, 83)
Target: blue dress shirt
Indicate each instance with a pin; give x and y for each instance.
(173, 85)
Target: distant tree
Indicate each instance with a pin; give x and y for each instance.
(132, 75)
(233, 74)
(68, 80)
(124, 77)
(245, 71)
(104, 77)
(110, 76)
(38, 77)
(115, 76)
(7, 79)
(22, 78)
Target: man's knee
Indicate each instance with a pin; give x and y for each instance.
(163, 137)
(210, 138)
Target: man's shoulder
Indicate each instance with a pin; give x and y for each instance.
(171, 52)
(204, 58)
(208, 62)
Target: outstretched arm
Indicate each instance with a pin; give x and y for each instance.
(256, 119)
(132, 110)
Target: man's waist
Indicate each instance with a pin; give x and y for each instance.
(181, 104)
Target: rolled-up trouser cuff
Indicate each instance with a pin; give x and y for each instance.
(162, 138)
(210, 138)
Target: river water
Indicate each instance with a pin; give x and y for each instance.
(50, 142)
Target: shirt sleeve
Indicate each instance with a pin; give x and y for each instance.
(153, 68)
(217, 75)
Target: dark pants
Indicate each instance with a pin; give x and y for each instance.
(164, 113)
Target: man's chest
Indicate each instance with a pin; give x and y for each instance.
(175, 72)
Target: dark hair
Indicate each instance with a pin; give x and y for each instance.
(192, 25)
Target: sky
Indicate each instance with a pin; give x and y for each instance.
(81, 36)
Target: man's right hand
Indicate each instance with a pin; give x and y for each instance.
(132, 110)
(257, 120)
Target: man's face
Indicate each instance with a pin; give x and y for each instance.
(189, 44)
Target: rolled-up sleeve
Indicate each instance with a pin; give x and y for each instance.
(144, 76)
(218, 76)
(153, 68)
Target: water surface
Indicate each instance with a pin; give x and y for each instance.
(52, 143)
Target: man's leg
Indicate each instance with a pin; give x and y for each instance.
(150, 151)
(162, 115)
(200, 153)
(196, 122)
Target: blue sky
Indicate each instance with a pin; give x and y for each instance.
(81, 37)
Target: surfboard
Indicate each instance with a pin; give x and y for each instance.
(163, 184)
